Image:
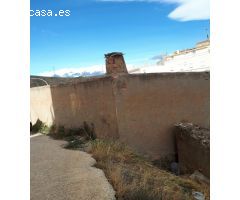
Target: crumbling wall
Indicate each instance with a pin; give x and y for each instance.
(115, 63)
(193, 148)
(138, 109)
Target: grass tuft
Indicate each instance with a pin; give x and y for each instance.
(135, 178)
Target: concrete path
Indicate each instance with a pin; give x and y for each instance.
(61, 174)
(35, 135)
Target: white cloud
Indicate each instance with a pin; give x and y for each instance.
(191, 10)
(186, 10)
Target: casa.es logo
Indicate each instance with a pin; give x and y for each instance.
(50, 13)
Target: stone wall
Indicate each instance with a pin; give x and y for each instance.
(193, 148)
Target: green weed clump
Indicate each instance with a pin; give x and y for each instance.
(40, 127)
(85, 130)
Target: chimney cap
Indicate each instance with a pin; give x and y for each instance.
(113, 54)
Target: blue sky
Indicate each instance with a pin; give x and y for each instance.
(141, 29)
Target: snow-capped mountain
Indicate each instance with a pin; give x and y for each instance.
(76, 72)
(96, 70)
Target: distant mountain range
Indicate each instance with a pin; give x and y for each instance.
(79, 74)
(95, 70)
(63, 76)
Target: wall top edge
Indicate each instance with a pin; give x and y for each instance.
(205, 74)
(77, 81)
(40, 87)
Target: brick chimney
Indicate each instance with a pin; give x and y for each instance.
(115, 63)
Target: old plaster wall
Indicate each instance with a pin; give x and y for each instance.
(140, 109)
(41, 105)
(88, 101)
(148, 106)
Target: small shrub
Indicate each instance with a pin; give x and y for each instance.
(37, 126)
(76, 132)
(53, 129)
(40, 127)
(89, 131)
(57, 133)
(44, 129)
(61, 130)
(74, 144)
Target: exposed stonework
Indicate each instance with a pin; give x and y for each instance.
(193, 148)
(115, 63)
